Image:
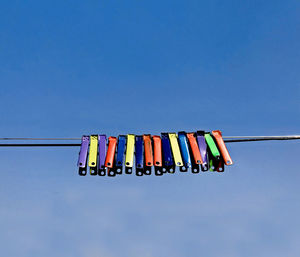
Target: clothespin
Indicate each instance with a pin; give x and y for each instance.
(129, 154)
(102, 155)
(120, 154)
(110, 155)
(82, 159)
(222, 147)
(216, 163)
(175, 149)
(93, 154)
(203, 150)
(157, 153)
(184, 147)
(197, 160)
(148, 154)
(139, 155)
(168, 162)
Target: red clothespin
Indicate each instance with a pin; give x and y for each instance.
(110, 155)
(222, 147)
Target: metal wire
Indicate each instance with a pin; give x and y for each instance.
(78, 138)
(251, 139)
(228, 139)
(41, 139)
(38, 145)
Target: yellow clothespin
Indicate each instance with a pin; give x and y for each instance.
(129, 153)
(175, 149)
(93, 154)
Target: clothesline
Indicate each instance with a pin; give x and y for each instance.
(227, 139)
(79, 138)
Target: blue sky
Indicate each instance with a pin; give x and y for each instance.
(69, 68)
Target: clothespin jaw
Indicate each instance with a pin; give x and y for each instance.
(219, 165)
(214, 164)
(196, 157)
(168, 161)
(148, 154)
(215, 161)
(129, 153)
(120, 154)
(217, 134)
(93, 154)
(139, 155)
(184, 148)
(203, 150)
(102, 155)
(82, 159)
(157, 155)
(110, 156)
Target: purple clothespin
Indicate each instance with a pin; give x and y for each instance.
(102, 154)
(203, 150)
(85, 140)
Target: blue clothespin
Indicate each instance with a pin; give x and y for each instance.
(168, 161)
(184, 148)
(139, 155)
(120, 154)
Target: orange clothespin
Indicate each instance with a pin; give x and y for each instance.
(196, 156)
(148, 154)
(110, 155)
(195, 148)
(157, 153)
(222, 147)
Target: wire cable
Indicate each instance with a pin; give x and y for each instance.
(40, 139)
(78, 138)
(227, 139)
(38, 145)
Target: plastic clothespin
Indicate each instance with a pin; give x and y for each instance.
(203, 150)
(184, 147)
(102, 154)
(120, 154)
(219, 165)
(217, 134)
(129, 154)
(175, 149)
(216, 163)
(110, 155)
(139, 155)
(196, 157)
(168, 162)
(82, 159)
(93, 154)
(212, 146)
(157, 154)
(148, 154)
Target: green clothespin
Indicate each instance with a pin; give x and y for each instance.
(212, 146)
(213, 150)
